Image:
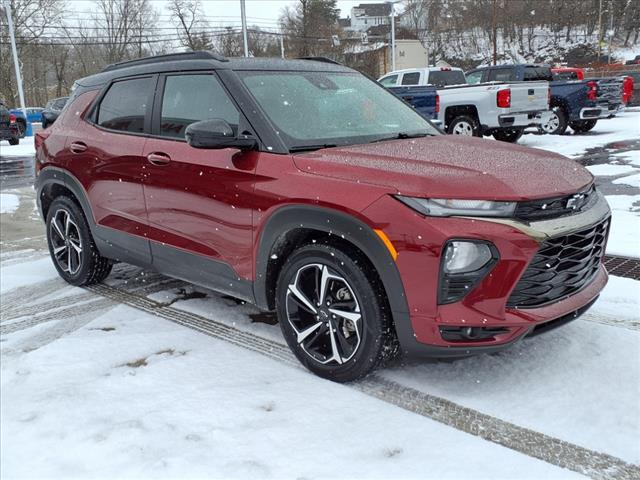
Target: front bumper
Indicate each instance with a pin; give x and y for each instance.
(524, 119)
(419, 251)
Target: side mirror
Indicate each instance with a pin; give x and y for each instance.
(216, 133)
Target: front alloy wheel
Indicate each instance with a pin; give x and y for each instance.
(334, 313)
(324, 313)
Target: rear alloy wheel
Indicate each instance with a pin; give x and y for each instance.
(557, 123)
(71, 245)
(464, 125)
(583, 126)
(333, 317)
(511, 135)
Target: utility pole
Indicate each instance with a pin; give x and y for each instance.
(599, 29)
(393, 37)
(610, 32)
(282, 45)
(16, 62)
(494, 29)
(243, 14)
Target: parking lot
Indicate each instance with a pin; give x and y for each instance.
(147, 376)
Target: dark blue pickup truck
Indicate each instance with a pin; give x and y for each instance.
(576, 103)
(424, 99)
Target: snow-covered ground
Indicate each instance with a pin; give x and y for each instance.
(99, 386)
(24, 148)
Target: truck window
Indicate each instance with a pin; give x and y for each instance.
(474, 77)
(412, 78)
(537, 73)
(500, 74)
(389, 81)
(443, 78)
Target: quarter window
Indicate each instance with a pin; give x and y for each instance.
(191, 98)
(412, 78)
(124, 106)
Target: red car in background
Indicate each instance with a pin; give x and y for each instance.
(307, 189)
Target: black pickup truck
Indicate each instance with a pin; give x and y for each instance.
(8, 126)
(576, 103)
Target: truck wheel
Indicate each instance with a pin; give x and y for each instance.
(583, 126)
(333, 314)
(464, 125)
(511, 135)
(71, 245)
(22, 128)
(14, 141)
(557, 124)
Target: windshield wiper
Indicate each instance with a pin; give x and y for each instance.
(402, 136)
(308, 148)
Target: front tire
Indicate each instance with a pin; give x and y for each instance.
(583, 126)
(464, 125)
(557, 124)
(71, 245)
(511, 135)
(333, 313)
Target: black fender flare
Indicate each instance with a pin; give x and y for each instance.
(54, 175)
(353, 230)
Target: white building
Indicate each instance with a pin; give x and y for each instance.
(368, 15)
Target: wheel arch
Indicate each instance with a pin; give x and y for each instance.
(453, 111)
(52, 182)
(294, 225)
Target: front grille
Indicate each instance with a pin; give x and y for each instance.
(562, 266)
(535, 210)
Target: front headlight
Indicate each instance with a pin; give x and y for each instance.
(438, 207)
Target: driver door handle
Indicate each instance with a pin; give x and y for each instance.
(158, 158)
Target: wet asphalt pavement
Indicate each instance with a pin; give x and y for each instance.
(16, 172)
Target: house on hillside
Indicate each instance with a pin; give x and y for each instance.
(368, 15)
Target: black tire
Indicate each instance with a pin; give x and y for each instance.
(583, 126)
(511, 135)
(358, 347)
(464, 125)
(22, 128)
(14, 141)
(44, 123)
(80, 268)
(558, 123)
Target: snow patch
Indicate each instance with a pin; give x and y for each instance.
(9, 203)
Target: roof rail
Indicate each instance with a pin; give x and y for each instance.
(320, 59)
(200, 55)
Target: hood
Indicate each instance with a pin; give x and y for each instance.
(449, 166)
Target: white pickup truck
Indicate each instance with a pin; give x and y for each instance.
(500, 109)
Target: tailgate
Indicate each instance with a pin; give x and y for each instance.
(529, 96)
(610, 89)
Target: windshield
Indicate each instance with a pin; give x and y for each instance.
(322, 109)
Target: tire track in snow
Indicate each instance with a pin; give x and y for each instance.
(594, 464)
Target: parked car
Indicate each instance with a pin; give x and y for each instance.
(34, 115)
(635, 61)
(52, 110)
(423, 99)
(8, 127)
(308, 189)
(575, 103)
(503, 110)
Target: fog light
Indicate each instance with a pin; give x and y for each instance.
(460, 256)
(464, 264)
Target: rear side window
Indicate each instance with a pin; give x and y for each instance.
(412, 78)
(474, 77)
(191, 98)
(500, 75)
(447, 77)
(537, 73)
(124, 106)
(389, 81)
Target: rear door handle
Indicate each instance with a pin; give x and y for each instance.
(78, 147)
(158, 158)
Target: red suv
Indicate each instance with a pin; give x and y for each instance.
(306, 188)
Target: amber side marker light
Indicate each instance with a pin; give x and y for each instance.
(387, 243)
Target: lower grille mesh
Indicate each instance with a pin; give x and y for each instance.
(562, 266)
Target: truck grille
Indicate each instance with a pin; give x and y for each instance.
(547, 208)
(562, 266)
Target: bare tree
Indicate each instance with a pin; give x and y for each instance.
(189, 23)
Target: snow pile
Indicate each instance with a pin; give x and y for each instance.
(9, 203)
